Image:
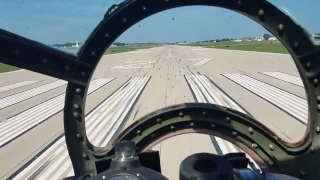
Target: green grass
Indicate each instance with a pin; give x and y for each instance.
(121, 49)
(7, 68)
(264, 46)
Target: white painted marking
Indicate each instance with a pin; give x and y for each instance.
(285, 77)
(117, 107)
(202, 62)
(16, 98)
(290, 103)
(22, 122)
(135, 65)
(12, 72)
(16, 85)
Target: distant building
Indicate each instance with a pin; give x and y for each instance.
(272, 38)
(316, 36)
(238, 40)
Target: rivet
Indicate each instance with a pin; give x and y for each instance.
(79, 136)
(159, 120)
(16, 51)
(308, 64)
(234, 133)
(250, 130)
(67, 68)
(271, 146)
(191, 124)
(181, 114)
(84, 155)
(228, 119)
(93, 53)
(78, 90)
(76, 106)
(204, 113)
(144, 8)
(103, 177)
(318, 98)
(83, 74)
(153, 135)
(166, 1)
(138, 174)
(239, 3)
(124, 20)
(171, 127)
(280, 27)
(296, 44)
(138, 132)
(315, 81)
(213, 125)
(318, 129)
(44, 60)
(75, 114)
(106, 35)
(312, 150)
(302, 173)
(261, 12)
(254, 145)
(318, 106)
(270, 163)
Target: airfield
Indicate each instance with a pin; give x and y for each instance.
(128, 85)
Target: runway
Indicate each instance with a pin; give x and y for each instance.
(128, 85)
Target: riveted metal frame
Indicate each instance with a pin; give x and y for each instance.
(118, 19)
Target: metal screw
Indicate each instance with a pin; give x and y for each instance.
(318, 129)
(124, 20)
(204, 113)
(138, 174)
(308, 64)
(106, 35)
(103, 177)
(296, 44)
(234, 133)
(254, 145)
(83, 74)
(67, 68)
(315, 81)
(250, 130)
(213, 125)
(166, 0)
(171, 127)
(271, 163)
(84, 155)
(76, 106)
(93, 53)
(181, 114)
(75, 114)
(228, 119)
(280, 27)
(191, 124)
(44, 60)
(159, 120)
(138, 132)
(318, 98)
(239, 3)
(271, 146)
(318, 106)
(79, 136)
(144, 8)
(261, 12)
(302, 173)
(78, 90)
(312, 150)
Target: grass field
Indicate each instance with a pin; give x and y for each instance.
(7, 68)
(264, 46)
(120, 49)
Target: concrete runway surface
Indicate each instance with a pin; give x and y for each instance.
(128, 85)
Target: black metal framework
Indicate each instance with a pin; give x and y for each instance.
(298, 159)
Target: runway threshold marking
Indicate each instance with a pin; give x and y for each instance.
(22, 122)
(289, 103)
(206, 91)
(135, 65)
(19, 97)
(296, 80)
(202, 62)
(16, 85)
(54, 162)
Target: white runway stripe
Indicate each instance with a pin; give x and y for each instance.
(24, 121)
(16, 98)
(101, 122)
(16, 85)
(202, 62)
(206, 91)
(285, 77)
(288, 102)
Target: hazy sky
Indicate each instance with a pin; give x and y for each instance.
(59, 21)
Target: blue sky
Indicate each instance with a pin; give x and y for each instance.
(59, 21)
